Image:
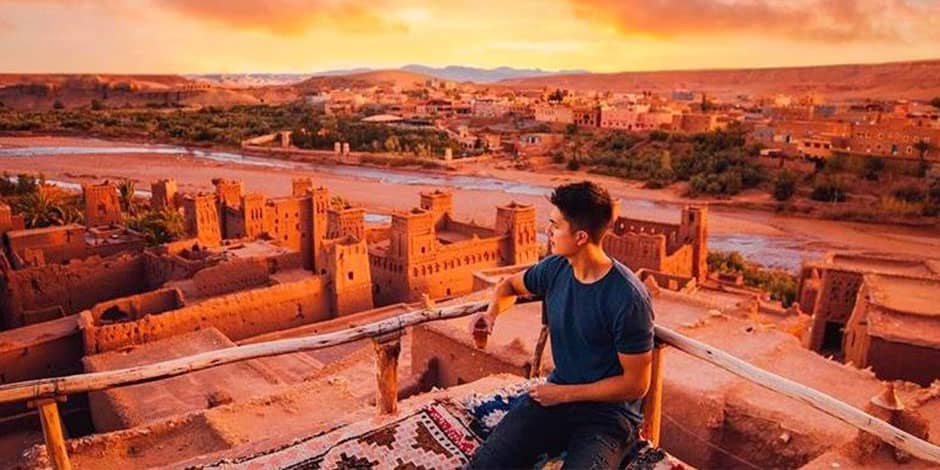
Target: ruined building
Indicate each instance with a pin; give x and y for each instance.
(348, 277)
(201, 217)
(427, 251)
(895, 328)
(102, 205)
(163, 194)
(228, 195)
(674, 249)
(874, 310)
(258, 270)
(8, 221)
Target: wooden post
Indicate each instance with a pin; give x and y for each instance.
(52, 432)
(653, 403)
(536, 369)
(386, 373)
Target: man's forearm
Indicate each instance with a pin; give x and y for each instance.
(612, 389)
(504, 296)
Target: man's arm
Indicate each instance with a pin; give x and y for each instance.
(504, 296)
(631, 385)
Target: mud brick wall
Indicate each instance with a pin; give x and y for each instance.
(237, 316)
(75, 286)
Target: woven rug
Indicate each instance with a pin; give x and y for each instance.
(435, 436)
(441, 435)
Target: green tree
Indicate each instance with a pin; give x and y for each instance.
(158, 227)
(557, 96)
(829, 190)
(40, 209)
(781, 284)
(57, 104)
(706, 105)
(922, 146)
(784, 185)
(935, 102)
(126, 189)
(873, 168)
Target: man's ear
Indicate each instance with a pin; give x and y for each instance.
(581, 238)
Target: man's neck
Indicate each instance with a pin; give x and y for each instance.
(590, 263)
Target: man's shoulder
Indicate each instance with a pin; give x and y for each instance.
(629, 286)
(551, 264)
(540, 277)
(626, 275)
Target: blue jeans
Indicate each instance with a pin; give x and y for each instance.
(594, 435)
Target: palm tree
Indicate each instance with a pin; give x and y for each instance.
(158, 226)
(39, 209)
(923, 146)
(127, 188)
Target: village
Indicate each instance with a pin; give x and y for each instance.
(98, 296)
(278, 235)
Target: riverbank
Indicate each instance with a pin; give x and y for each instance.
(773, 239)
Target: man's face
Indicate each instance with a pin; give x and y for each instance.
(565, 242)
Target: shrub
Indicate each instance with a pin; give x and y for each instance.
(908, 193)
(784, 186)
(828, 190)
(780, 284)
(873, 168)
(659, 136)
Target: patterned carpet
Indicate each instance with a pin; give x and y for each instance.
(441, 435)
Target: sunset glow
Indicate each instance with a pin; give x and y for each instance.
(177, 36)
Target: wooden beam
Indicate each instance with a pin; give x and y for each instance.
(52, 433)
(60, 386)
(653, 403)
(386, 375)
(825, 403)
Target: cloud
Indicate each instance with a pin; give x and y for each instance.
(806, 20)
(286, 17)
(550, 46)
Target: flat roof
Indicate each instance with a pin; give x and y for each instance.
(31, 335)
(448, 236)
(915, 296)
(254, 249)
(916, 330)
(880, 263)
(36, 231)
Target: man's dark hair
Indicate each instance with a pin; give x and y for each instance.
(586, 206)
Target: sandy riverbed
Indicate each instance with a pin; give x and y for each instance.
(398, 192)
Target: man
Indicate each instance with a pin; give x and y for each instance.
(600, 320)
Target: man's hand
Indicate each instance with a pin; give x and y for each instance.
(483, 319)
(504, 296)
(549, 394)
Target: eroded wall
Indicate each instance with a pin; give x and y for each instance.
(237, 316)
(75, 286)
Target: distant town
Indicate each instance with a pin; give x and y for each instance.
(149, 220)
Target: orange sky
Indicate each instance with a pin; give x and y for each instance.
(199, 36)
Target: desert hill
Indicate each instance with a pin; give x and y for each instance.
(912, 80)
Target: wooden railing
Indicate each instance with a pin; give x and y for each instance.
(386, 334)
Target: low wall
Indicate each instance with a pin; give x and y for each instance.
(75, 286)
(237, 316)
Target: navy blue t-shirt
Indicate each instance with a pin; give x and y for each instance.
(590, 323)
